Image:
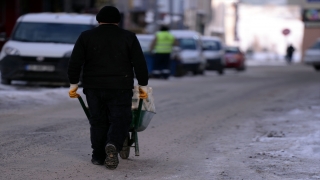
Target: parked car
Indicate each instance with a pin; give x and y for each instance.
(312, 55)
(145, 41)
(213, 51)
(190, 55)
(40, 46)
(234, 58)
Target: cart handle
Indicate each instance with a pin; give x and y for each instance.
(139, 112)
(86, 111)
(84, 107)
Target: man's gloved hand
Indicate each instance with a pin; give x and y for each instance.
(143, 92)
(73, 91)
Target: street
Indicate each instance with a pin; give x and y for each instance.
(263, 123)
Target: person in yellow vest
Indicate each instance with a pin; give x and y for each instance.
(162, 46)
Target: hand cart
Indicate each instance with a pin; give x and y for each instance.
(140, 121)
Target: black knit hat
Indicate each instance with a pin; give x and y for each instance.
(108, 14)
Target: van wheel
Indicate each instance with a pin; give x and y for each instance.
(180, 71)
(221, 71)
(201, 72)
(5, 81)
(316, 67)
(241, 68)
(195, 72)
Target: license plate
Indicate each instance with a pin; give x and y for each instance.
(46, 68)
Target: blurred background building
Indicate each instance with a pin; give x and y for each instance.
(223, 21)
(138, 15)
(198, 15)
(310, 16)
(10, 10)
(253, 25)
(268, 27)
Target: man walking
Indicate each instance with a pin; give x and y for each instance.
(109, 57)
(290, 49)
(162, 45)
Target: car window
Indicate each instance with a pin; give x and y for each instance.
(49, 32)
(145, 44)
(232, 50)
(211, 45)
(316, 45)
(187, 43)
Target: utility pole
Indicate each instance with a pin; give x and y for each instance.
(171, 13)
(156, 15)
(181, 24)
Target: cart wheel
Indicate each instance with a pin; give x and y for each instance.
(124, 153)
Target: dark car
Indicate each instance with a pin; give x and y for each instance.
(234, 58)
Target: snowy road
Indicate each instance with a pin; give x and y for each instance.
(260, 124)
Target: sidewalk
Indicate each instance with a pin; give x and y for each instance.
(268, 59)
(257, 62)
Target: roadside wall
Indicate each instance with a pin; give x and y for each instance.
(260, 29)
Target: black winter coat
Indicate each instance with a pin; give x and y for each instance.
(109, 56)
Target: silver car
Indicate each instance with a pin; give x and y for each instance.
(214, 52)
(312, 55)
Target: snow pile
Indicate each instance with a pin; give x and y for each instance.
(308, 146)
(16, 96)
(295, 134)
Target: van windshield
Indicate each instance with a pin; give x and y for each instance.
(49, 32)
(316, 45)
(232, 50)
(211, 45)
(187, 43)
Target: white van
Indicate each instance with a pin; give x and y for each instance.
(214, 52)
(190, 54)
(40, 46)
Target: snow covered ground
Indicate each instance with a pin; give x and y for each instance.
(269, 59)
(301, 137)
(285, 135)
(41, 94)
(14, 97)
(19, 94)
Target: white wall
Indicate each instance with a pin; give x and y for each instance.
(260, 27)
(223, 20)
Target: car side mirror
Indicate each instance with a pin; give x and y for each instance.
(3, 37)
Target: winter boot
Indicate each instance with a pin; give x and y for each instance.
(112, 160)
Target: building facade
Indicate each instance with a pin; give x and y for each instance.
(307, 17)
(198, 15)
(223, 21)
(140, 16)
(145, 16)
(310, 12)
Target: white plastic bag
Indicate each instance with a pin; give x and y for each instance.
(148, 104)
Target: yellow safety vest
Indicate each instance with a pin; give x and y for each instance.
(164, 42)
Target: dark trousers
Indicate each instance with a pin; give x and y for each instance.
(161, 66)
(289, 58)
(110, 118)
